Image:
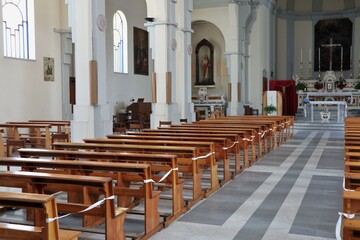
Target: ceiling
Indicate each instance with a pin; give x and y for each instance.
(301, 6)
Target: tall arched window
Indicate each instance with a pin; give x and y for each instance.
(120, 43)
(18, 28)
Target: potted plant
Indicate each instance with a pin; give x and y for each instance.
(300, 86)
(269, 109)
(318, 85)
(341, 83)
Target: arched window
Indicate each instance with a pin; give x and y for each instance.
(120, 43)
(18, 28)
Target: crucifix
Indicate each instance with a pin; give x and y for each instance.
(331, 46)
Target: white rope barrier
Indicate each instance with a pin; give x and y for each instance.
(249, 140)
(345, 189)
(339, 223)
(204, 156)
(163, 178)
(226, 148)
(98, 203)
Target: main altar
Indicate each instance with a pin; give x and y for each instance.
(330, 88)
(331, 91)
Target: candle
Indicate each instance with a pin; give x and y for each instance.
(310, 55)
(341, 53)
(300, 55)
(350, 53)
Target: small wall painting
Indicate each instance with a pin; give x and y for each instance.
(49, 69)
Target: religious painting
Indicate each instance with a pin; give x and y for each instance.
(333, 44)
(141, 52)
(49, 69)
(204, 64)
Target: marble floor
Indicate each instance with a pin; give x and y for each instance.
(294, 192)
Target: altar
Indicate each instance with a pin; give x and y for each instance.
(328, 89)
(339, 104)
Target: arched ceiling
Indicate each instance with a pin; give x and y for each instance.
(289, 6)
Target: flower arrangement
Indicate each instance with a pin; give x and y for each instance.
(341, 83)
(318, 85)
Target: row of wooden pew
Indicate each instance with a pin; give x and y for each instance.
(179, 165)
(34, 133)
(351, 193)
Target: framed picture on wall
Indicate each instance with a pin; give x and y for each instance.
(141, 51)
(49, 69)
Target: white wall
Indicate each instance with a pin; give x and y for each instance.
(303, 41)
(123, 87)
(24, 93)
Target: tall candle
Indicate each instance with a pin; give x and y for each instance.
(300, 55)
(350, 52)
(310, 55)
(341, 53)
(319, 60)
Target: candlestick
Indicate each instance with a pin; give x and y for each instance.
(310, 55)
(310, 71)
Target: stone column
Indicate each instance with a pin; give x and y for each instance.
(163, 44)
(183, 59)
(90, 119)
(235, 66)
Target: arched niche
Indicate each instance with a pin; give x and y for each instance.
(204, 57)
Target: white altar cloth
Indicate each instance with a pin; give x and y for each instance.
(338, 103)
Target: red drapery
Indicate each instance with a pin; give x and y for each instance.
(288, 90)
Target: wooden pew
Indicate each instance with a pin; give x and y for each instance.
(234, 143)
(261, 131)
(41, 137)
(107, 213)
(120, 172)
(264, 128)
(62, 129)
(284, 122)
(44, 207)
(222, 146)
(158, 162)
(204, 147)
(59, 130)
(189, 158)
(235, 136)
(252, 133)
(351, 205)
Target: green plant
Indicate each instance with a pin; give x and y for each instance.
(300, 86)
(357, 85)
(269, 108)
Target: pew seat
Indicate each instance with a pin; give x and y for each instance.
(44, 207)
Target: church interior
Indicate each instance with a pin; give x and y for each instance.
(190, 119)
